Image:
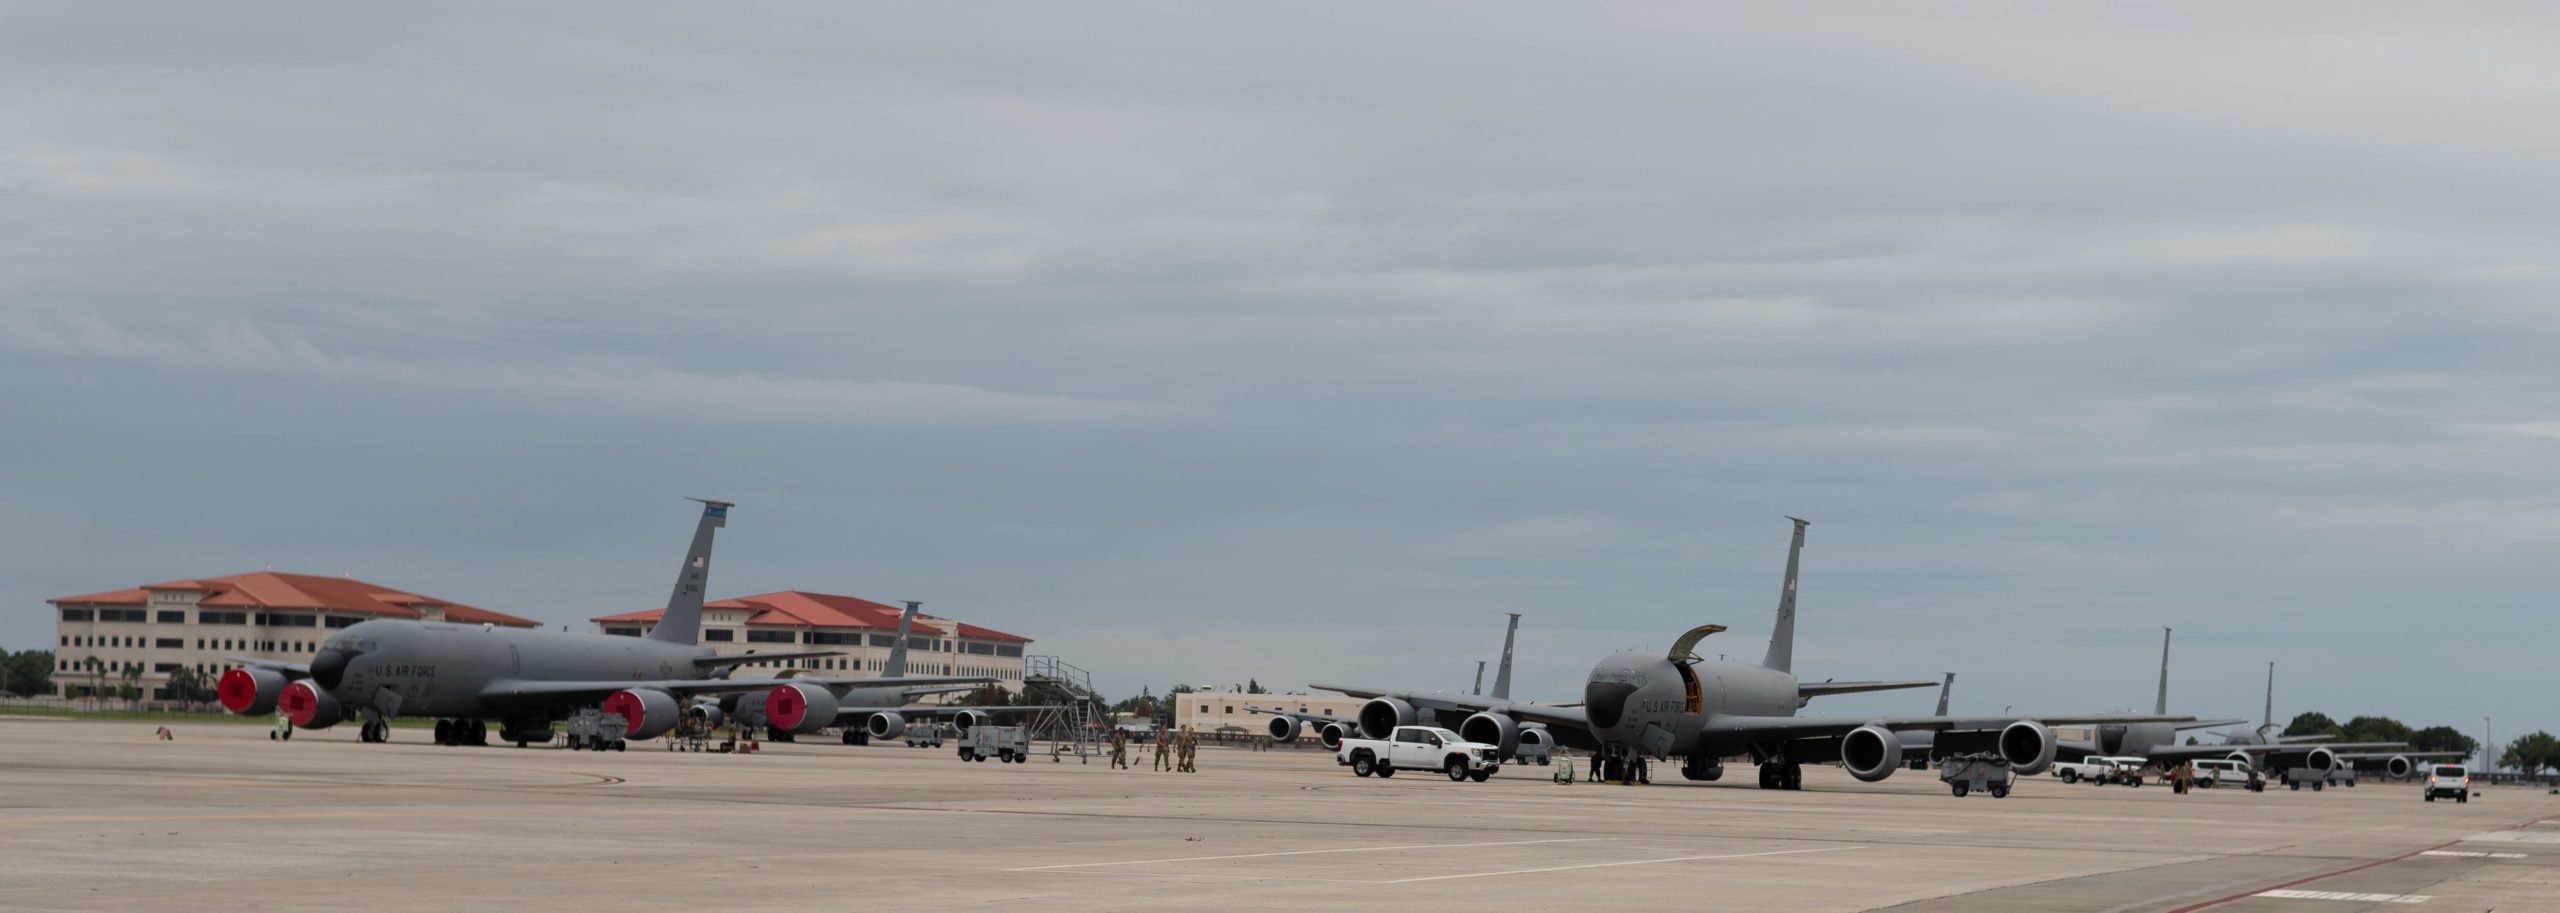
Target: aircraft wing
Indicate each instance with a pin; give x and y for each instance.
(2411, 755)
(1818, 689)
(1300, 716)
(2208, 724)
(516, 689)
(719, 662)
(1570, 717)
(937, 711)
(297, 669)
(1805, 727)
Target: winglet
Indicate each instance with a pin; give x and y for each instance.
(681, 623)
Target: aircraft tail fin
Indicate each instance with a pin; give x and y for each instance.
(681, 623)
(1782, 638)
(897, 665)
(2161, 705)
(1944, 691)
(2267, 723)
(1502, 676)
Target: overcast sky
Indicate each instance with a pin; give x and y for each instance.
(1300, 343)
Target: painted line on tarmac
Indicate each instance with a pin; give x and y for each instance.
(2347, 896)
(2471, 855)
(1604, 865)
(2191, 908)
(1355, 849)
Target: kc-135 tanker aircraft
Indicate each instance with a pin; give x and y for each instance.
(465, 675)
(1639, 706)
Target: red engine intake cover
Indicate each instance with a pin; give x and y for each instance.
(784, 707)
(633, 712)
(298, 703)
(238, 690)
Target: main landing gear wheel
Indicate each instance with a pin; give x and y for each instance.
(1456, 769)
(444, 733)
(1363, 766)
(479, 732)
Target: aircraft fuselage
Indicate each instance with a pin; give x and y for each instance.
(1660, 708)
(440, 670)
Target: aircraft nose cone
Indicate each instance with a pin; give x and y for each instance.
(329, 666)
(1606, 702)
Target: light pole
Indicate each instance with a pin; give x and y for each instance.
(2488, 744)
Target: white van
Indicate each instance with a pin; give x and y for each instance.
(2213, 771)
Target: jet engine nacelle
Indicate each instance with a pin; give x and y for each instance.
(1332, 734)
(1492, 729)
(2321, 759)
(1381, 715)
(970, 719)
(647, 713)
(1283, 728)
(748, 709)
(2028, 747)
(250, 691)
(885, 725)
(800, 707)
(707, 713)
(2399, 767)
(1535, 737)
(1872, 752)
(308, 706)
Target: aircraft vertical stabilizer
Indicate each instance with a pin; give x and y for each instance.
(1502, 677)
(897, 665)
(2161, 706)
(682, 621)
(1782, 639)
(1944, 691)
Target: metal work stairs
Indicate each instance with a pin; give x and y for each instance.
(1073, 718)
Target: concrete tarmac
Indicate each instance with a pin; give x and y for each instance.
(102, 816)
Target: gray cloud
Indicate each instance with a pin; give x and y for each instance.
(1281, 343)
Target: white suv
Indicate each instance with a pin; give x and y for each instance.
(2449, 780)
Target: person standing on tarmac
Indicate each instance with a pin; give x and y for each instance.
(1164, 750)
(1190, 750)
(1120, 749)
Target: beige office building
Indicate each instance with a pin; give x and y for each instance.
(795, 621)
(1211, 711)
(160, 627)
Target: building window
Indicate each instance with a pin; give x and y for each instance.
(222, 618)
(171, 643)
(339, 621)
(623, 632)
(293, 621)
(1013, 650)
(164, 668)
(77, 615)
(982, 649)
(771, 637)
(173, 618)
(834, 639)
(133, 615)
(884, 640)
(722, 635)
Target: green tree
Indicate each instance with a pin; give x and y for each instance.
(28, 672)
(97, 669)
(2312, 723)
(190, 688)
(2442, 738)
(2374, 729)
(1254, 686)
(131, 688)
(2531, 753)
(989, 694)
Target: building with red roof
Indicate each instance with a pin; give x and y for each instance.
(796, 620)
(161, 627)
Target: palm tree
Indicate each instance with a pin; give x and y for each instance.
(131, 675)
(97, 675)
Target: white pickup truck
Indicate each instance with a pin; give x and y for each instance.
(1421, 748)
(2102, 770)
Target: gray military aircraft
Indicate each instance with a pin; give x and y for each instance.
(868, 708)
(465, 675)
(1488, 728)
(1639, 706)
(2261, 748)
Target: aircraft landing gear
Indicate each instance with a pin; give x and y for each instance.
(1701, 767)
(374, 732)
(1781, 775)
